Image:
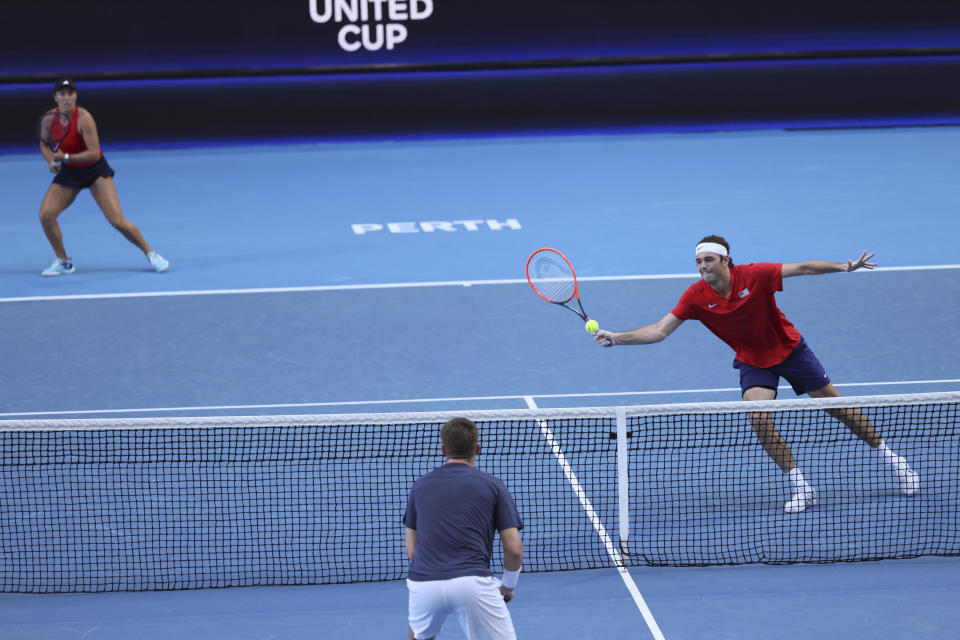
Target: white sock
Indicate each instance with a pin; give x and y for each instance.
(890, 458)
(799, 483)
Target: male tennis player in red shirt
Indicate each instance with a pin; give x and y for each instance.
(737, 304)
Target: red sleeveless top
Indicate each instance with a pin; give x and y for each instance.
(74, 143)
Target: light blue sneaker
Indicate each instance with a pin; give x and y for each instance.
(59, 268)
(159, 263)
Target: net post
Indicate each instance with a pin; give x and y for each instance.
(623, 481)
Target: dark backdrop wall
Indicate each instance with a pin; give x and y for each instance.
(179, 71)
(183, 35)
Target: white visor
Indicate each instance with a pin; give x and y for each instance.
(711, 247)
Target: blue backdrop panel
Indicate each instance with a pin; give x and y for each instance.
(703, 96)
(346, 68)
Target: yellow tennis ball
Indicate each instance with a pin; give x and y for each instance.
(592, 326)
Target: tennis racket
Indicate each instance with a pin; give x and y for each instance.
(553, 279)
(53, 130)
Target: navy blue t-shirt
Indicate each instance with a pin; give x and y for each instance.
(455, 510)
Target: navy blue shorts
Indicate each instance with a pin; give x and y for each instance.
(801, 369)
(83, 177)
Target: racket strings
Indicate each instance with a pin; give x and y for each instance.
(54, 127)
(46, 127)
(59, 127)
(552, 277)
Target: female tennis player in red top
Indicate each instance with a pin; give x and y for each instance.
(79, 164)
(737, 304)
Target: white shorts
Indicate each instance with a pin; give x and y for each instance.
(476, 600)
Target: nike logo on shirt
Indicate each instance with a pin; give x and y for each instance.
(711, 306)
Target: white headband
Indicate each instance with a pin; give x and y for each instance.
(712, 247)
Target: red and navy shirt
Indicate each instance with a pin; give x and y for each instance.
(74, 143)
(748, 320)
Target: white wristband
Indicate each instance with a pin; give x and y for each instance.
(510, 578)
(66, 157)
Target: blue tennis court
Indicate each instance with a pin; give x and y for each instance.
(388, 276)
(380, 316)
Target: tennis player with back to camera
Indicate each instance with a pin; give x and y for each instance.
(451, 516)
(737, 304)
(78, 163)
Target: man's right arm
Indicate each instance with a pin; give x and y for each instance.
(644, 335)
(512, 549)
(512, 556)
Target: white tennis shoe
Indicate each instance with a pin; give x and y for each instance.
(802, 500)
(159, 263)
(59, 268)
(909, 480)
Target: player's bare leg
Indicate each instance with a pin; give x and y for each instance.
(54, 202)
(776, 447)
(771, 440)
(853, 418)
(104, 192)
(860, 426)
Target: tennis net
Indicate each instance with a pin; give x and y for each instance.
(180, 503)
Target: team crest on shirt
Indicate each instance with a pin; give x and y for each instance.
(743, 294)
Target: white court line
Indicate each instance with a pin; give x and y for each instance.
(389, 285)
(601, 530)
(344, 403)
